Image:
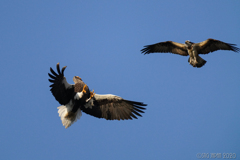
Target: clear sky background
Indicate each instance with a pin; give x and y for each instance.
(190, 110)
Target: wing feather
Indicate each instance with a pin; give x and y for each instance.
(51, 76)
(60, 88)
(211, 45)
(132, 115)
(53, 72)
(135, 112)
(166, 47)
(113, 107)
(124, 115)
(50, 80)
(138, 110)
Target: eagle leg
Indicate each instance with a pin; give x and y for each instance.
(84, 88)
(92, 93)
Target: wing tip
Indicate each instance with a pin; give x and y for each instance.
(234, 48)
(145, 50)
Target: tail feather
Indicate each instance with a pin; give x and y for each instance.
(199, 63)
(68, 117)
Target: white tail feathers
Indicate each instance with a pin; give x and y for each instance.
(68, 117)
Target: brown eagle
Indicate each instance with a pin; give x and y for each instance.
(191, 49)
(77, 97)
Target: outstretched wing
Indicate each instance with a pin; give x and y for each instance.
(211, 45)
(112, 107)
(60, 88)
(166, 47)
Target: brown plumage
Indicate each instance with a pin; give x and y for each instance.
(190, 48)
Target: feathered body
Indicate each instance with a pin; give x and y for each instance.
(76, 98)
(190, 49)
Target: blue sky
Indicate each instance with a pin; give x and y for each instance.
(190, 110)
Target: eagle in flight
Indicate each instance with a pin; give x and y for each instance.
(77, 97)
(191, 49)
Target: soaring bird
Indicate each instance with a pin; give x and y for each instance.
(191, 49)
(77, 97)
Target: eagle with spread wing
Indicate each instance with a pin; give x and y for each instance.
(191, 49)
(77, 97)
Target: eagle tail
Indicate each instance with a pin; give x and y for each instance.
(201, 62)
(68, 117)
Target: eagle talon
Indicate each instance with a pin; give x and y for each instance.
(92, 94)
(84, 88)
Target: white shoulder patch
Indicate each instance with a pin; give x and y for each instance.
(66, 84)
(106, 96)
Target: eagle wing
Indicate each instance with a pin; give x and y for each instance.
(211, 45)
(166, 47)
(113, 107)
(60, 88)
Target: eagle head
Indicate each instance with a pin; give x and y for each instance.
(188, 43)
(77, 79)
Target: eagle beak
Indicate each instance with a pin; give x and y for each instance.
(78, 77)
